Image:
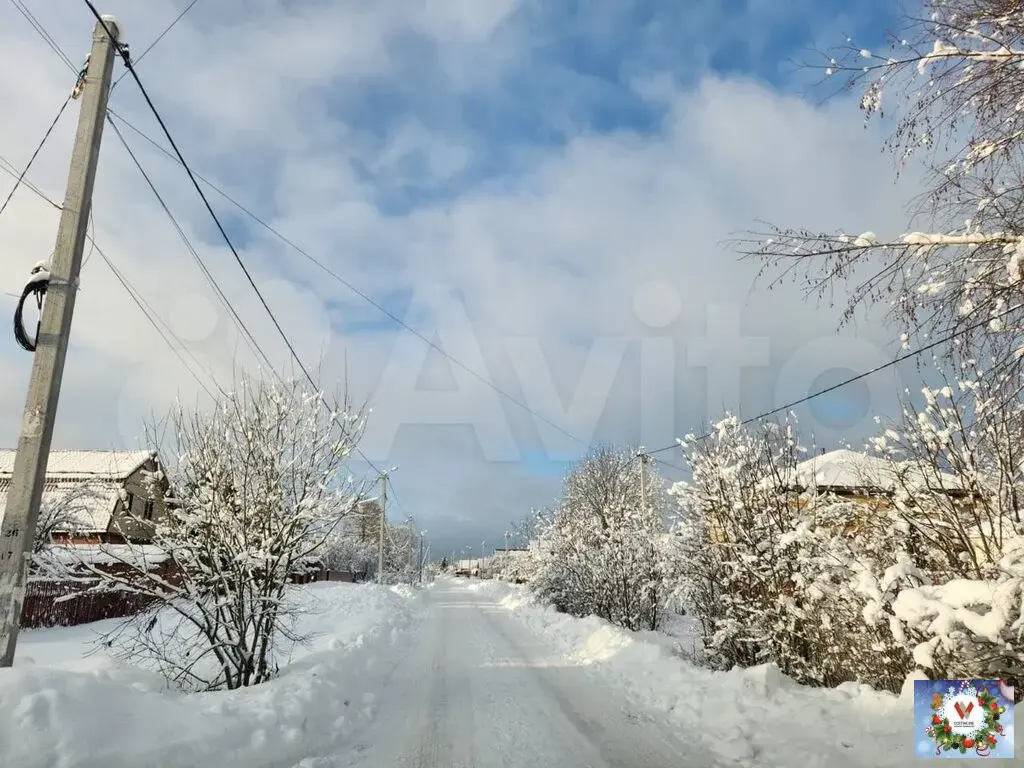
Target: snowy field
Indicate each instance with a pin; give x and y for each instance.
(441, 677)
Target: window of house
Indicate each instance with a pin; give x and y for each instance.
(148, 513)
(129, 501)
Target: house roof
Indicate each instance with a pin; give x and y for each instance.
(108, 554)
(89, 504)
(846, 469)
(88, 482)
(110, 465)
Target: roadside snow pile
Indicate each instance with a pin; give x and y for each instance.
(54, 714)
(750, 717)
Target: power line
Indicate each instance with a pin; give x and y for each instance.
(8, 167)
(247, 335)
(159, 37)
(234, 251)
(41, 31)
(356, 290)
(35, 154)
(209, 208)
(853, 379)
(155, 321)
(181, 160)
(177, 156)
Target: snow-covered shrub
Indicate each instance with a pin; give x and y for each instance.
(258, 487)
(731, 568)
(599, 547)
(963, 503)
(777, 573)
(62, 511)
(969, 628)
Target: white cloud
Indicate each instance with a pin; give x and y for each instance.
(555, 250)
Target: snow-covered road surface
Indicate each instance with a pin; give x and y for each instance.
(464, 674)
(477, 689)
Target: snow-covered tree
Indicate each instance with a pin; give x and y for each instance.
(599, 546)
(258, 487)
(953, 79)
(61, 513)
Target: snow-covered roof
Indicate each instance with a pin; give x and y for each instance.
(108, 554)
(88, 482)
(846, 469)
(111, 465)
(89, 504)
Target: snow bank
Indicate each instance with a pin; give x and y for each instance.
(65, 704)
(752, 717)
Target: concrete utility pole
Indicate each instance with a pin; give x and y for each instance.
(26, 489)
(383, 522)
(421, 558)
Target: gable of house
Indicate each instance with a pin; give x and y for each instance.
(97, 488)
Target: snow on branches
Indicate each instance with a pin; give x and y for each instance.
(957, 78)
(775, 571)
(914, 555)
(600, 546)
(258, 486)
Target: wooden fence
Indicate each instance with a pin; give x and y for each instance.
(44, 607)
(67, 604)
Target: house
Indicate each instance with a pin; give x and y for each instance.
(95, 498)
(872, 482)
(863, 477)
(98, 509)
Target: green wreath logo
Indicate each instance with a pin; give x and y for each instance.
(964, 719)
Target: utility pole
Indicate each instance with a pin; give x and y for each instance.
(26, 489)
(383, 522)
(643, 478)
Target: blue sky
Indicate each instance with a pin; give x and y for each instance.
(541, 162)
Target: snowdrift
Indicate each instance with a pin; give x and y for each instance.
(85, 711)
(751, 717)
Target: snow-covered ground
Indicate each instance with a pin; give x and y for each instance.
(65, 705)
(462, 675)
(753, 717)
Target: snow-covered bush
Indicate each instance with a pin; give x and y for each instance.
(963, 504)
(258, 486)
(598, 548)
(776, 572)
(730, 567)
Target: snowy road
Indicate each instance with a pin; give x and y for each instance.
(477, 690)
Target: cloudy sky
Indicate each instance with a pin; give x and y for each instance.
(541, 189)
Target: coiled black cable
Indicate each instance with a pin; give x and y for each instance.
(35, 287)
